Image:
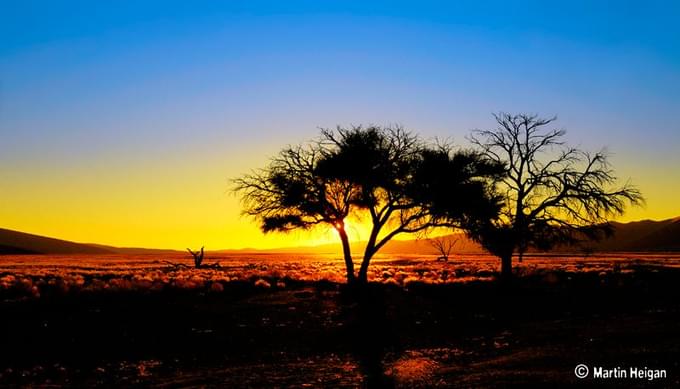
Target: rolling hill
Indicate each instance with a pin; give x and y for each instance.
(644, 235)
(638, 236)
(15, 242)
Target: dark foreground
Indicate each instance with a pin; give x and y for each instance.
(322, 335)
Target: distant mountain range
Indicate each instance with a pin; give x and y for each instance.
(639, 236)
(15, 242)
(644, 235)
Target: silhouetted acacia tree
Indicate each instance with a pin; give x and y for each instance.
(552, 193)
(458, 186)
(290, 194)
(379, 171)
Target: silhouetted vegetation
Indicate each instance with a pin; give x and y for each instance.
(198, 257)
(552, 193)
(388, 173)
(444, 245)
(523, 188)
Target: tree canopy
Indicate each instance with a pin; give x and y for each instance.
(384, 174)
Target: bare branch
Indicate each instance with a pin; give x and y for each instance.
(550, 189)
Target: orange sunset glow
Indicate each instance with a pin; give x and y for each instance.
(185, 199)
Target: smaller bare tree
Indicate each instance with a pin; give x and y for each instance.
(198, 257)
(444, 245)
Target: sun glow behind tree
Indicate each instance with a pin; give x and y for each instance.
(387, 175)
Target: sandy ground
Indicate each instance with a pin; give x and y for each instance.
(318, 333)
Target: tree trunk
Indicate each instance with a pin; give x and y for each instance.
(363, 270)
(506, 267)
(347, 254)
(368, 252)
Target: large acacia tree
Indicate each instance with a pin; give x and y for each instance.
(383, 174)
(551, 193)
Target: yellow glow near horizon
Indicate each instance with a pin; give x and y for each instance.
(176, 203)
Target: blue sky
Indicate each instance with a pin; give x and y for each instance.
(100, 99)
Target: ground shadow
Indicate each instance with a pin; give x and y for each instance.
(369, 333)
